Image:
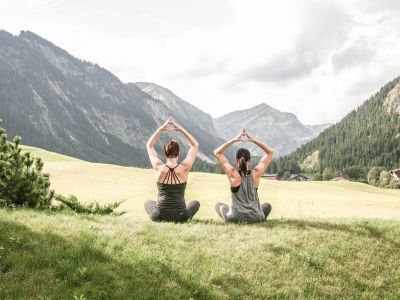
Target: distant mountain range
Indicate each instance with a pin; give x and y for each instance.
(61, 103)
(283, 131)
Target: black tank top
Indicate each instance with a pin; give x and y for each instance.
(171, 193)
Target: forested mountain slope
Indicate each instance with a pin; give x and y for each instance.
(368, 136)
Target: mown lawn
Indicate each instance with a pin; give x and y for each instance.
(107, 183)
(61, 256)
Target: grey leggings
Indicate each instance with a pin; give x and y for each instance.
(156, 215)
(266, 208)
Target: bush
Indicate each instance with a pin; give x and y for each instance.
(384, 179)
(22, 182)
(318, 177)
(328, 174)
(283, 174)
(91, 208)
(394, 184)
(356, 173)
(374, 175)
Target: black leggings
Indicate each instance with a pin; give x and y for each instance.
(156, 215)
(266, 208)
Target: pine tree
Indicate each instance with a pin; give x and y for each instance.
(22, 181)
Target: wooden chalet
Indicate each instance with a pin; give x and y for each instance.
(395, 173)
(269, 176)
(339, 178)
(298, 177)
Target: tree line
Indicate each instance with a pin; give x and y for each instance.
(367, 137)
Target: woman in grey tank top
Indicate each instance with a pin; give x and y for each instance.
(244, 182)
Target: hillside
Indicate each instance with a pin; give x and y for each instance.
(107, 183)
(62, 256)
(282, 131)
(368, 136)
(64, 104)
(48, 156)
(200, 123)
(177, 104)
(74, 107)
(298, 253)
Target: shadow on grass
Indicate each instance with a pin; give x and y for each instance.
(46, 266)
(358, 228)
(43, 265)
(316, 263)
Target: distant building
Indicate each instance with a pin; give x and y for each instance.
(298, 177)
(339, 178)
(309, 177)
(395, 173)
(269, 176)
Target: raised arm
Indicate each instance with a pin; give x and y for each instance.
(265, 160)
(223, 161)
(155, 161)
(187, 163)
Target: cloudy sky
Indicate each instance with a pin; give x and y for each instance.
(317, 59)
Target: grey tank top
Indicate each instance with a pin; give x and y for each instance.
(171, 193)
(245, 203)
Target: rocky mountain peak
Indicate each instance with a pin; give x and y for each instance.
(281, 130)
(392, 101)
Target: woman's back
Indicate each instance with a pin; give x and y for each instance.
(244, 183)
(245, 203)
(169, 174)
(171, 191)
(171, 177)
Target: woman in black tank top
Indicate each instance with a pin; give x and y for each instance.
(244, 183)
(170, 204)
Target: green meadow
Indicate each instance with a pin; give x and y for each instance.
(324, 240)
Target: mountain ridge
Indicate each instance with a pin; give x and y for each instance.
(59, 102)
(271, 125)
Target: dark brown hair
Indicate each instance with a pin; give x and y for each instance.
(242, 156)
(171, 149)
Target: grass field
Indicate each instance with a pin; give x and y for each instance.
(107, 183)
(324, 241)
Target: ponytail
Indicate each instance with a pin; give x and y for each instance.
(242, 157)
(242, 166)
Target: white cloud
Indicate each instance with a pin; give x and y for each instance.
(359, 52)
(317, 59)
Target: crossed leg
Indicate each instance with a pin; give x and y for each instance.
(266, 208)
(150, 206)
(222, 210)
(192, 208)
